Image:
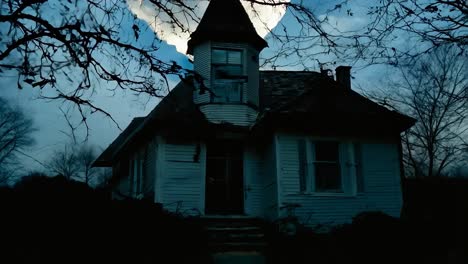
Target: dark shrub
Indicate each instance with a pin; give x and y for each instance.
(52, 220)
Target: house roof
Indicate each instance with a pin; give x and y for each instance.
(278, 87)
(225, 21)
(292, 99)
(313, 100)
(106, 156)
(176, 111)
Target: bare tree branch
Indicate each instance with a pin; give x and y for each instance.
(16, 130)
(434, 90)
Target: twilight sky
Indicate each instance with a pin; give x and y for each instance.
(53, 132)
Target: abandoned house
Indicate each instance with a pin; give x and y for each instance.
(259, 143)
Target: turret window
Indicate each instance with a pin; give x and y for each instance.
(227, 75)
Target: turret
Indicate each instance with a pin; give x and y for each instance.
(225, 49)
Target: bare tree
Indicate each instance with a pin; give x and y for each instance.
(75, 162)
(68, 48)
(103, 176)
(65, 162)
(85, 158)
(431, 22)
(434, 90)
(16, 130)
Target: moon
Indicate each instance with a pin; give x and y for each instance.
(263, 17)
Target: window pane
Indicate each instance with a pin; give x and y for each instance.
(218, 56)
(233, 92)
(326, 151)
(234, 57)
(219, 90)
(226, 71)
(327, 177)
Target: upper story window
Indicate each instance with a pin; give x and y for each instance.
(227, 75)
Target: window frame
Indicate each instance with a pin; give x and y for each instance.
(231, 81)
(347, 165)
(339, 162)
(137, 171)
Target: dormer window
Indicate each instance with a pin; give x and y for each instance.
(227, 75)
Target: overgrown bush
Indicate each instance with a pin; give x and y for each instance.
(52, 220)
(372, 237)
(433, 229)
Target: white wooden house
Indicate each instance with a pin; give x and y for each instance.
(255, 143)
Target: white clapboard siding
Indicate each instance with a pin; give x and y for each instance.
(253, 74)
(236, 114)
(253, 187)
(381, 179)
(182, 177)
(202, 66)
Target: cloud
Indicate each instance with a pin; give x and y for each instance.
(263, 18)
(338, 24)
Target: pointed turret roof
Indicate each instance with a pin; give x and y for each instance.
(226, 21)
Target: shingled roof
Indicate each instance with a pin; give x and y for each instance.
(287, 99)
(313, 100)
(104, 160)
(225, 21)
(176, 112)
(278, 87)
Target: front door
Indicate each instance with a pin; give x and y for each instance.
(224, 178)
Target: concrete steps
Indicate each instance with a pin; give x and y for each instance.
(235, 235)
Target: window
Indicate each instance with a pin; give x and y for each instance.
(227, 75)
(358, 167)
(137, 173)
(329, 167)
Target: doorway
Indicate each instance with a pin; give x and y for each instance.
(224, 177)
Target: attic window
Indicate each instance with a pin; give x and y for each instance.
(227, 75)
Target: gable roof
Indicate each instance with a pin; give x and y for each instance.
(279, 87)
(313, 100)
(176, 111)
(105, 157)
(293, 99)
(226, 21)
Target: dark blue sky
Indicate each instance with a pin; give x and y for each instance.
(125, 105)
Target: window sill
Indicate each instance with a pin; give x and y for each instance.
(326, 194)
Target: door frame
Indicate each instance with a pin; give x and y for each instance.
(204, 180)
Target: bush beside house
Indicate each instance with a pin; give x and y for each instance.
(433, 229)
(53, 220)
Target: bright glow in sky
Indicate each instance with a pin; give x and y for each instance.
(264, 19)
